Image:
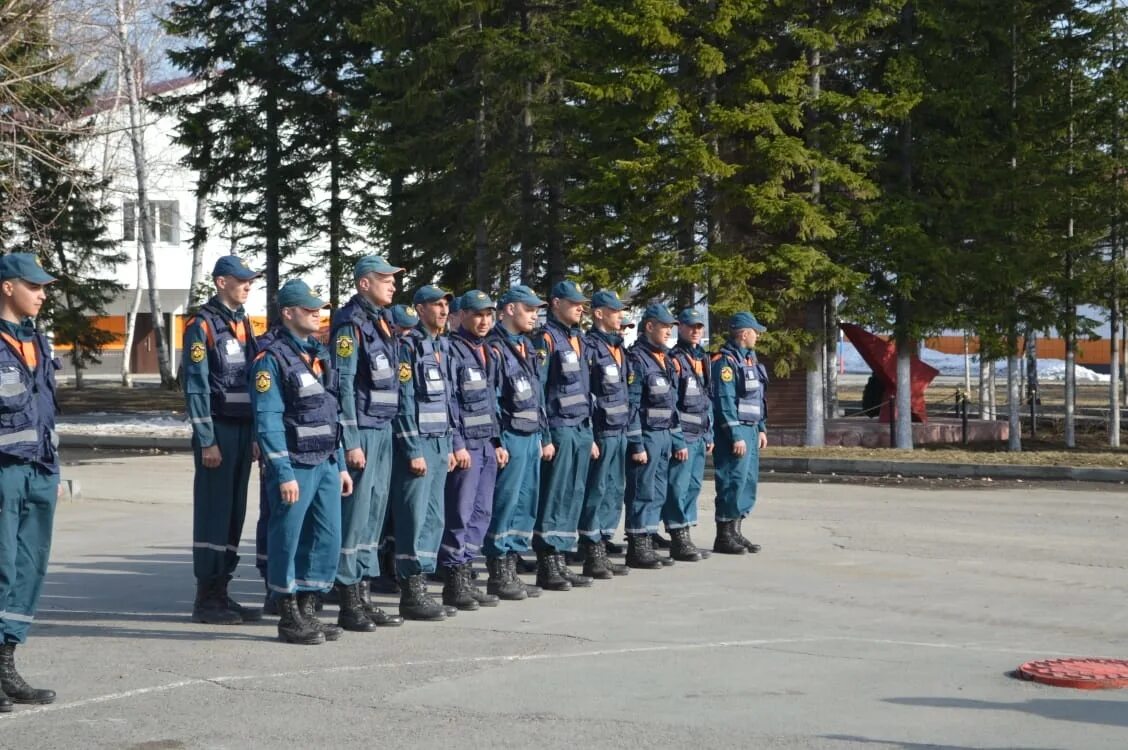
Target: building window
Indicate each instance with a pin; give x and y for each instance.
(164, 218)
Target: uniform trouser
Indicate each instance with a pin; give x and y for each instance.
(263, 523)
(362, 512)
(304, 539)
(28, 493)
(680, 509)
(736, 478)
(562, 489)
(603, 493)
(418, 507)
(515, 496)
(647, 483)
(219, 501)
(469, 506)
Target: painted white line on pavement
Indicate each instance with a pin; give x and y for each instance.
(665, 648)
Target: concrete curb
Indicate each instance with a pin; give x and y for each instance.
(865, 467)
(126, 442)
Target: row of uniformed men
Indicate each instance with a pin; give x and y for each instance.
(485, 441)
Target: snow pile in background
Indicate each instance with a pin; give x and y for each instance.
(953, 364)
(106, 424)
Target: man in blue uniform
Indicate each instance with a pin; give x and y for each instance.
(219, 344)
(29, 464)
(422, 454)
(606, 479)
(654, 438)
(740, 410)
(366, 356)
(564, 376)
(522, 420)
(478, 453)
(695, 413)
(293, 395)
(454, 317)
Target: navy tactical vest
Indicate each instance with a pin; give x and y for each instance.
(751, 377)
(432, 384)
(659, 393)
(228, 363)
(519, 385)
(27, 405)
(567, 393)
(312, 430)
(376, 389)
(694, 406)
(477, 394)
(610, 408)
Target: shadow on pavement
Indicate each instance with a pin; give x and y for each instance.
(1083, 710)
(909, 745)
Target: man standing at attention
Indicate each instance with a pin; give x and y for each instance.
(570, 443)
(29, 464)
(366, 354)
(296, 425)
(740, 410)
(219, 344)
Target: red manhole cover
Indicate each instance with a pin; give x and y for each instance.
(1085, 674)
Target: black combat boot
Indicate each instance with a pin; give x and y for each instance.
(501, 583)
(416, 603)
(611, 548)
(521, 565)
(640, 552)
(657, 541)
(744, 541)
(352, 615)
(483, 598)
(727, 542)
(248, 614)
(292, 627)
(14, 686)
(682, 548)
(377, 615)
(456, 592)
(549, 576)
(270, 603)
(595, 560)
(578, 581)
(386, 582)
(6, 704)
(209, 608)
(531, 589)
(307, 603)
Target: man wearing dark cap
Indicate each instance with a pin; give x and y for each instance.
(606, 479)
(654, 438)
(478, 453)
(454, 318)
(739, 412)
(695, 413)
(404, 319)
(366, 355)
(522, 420)
(294, 399)
(29, 464)
(219, 344)
(423, 454)
(570, 442)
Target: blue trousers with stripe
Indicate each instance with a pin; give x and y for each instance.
(418, 507)
(603, 493)
(562, 489)
(362, 512)
(28, 494)
(515, 496)
(304, 539)
(219, 501)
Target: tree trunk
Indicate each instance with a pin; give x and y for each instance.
(831, 321)
(336, 210)
(196, 294)
(131, 322)
(484, 277)
(137, 141)
(815, 435)
(1014, 393)
(984, 386)
(903, 402)
(272, 175)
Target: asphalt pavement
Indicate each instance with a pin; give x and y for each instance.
(875, 617)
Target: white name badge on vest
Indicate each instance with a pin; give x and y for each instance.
(232, 346)
(611, 373)
(306, 379)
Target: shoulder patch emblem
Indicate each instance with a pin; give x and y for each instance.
(542, 355)
(262, 381)
(726, 374)
(197, 352)
(344, 345)
(404, 372)
(631, 379)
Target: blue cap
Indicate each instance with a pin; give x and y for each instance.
(232, 265)
(567, 290)
(607, 298)
(296, 293)
(24, 266)
(373, 264)
(404, 316)
(430, 293)
(746, 320)
(456, 304)
(659, 313)
(522, 294)
(691, 317)
(475, 300)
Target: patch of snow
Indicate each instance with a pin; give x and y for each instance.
(1052, 370)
